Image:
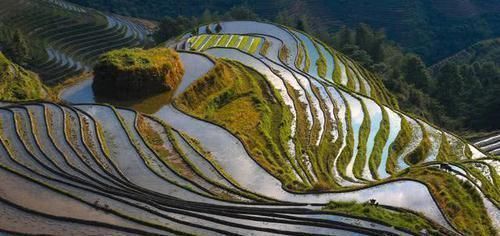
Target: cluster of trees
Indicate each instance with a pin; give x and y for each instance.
(14, 46)
(174, 26)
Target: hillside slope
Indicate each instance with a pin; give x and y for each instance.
(481, 52)
(427, 27)
(65, 39)
(269, 131)
(19, 84)
(288, 118)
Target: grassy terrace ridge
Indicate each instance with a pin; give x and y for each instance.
(254, 46)
(321, 63)
(336, 71)
(488, 187)
(344, 158)
(413, 222)
(378, 146)
(17, 83)
(459, 200)
(130, 73)
(299, 61)
(239, 98)
(364, 132)
(422, 150)
(246, 43)
(265, 47)
(307, 60)
(284, 53)
(402, 140)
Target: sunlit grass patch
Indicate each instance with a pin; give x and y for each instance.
(255, 45)
(241, 100)
(399, 218)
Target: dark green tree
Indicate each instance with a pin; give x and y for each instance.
(364, 37)
(242, 12)
(343, 37)
(303, 24)
(170, 27)
(415, 72)
(17, 48)
(450, 89)
(284, 18)
(206, 17)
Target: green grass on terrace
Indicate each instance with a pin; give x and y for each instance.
(199, 41)
(380, 140)
(255, 45)
(212, 40)
(400, 143)
(234, 41)
(224, 40)
(407, 220)
(243, 45)
(364, 132)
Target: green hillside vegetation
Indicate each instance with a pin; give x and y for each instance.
(59, 42)
(408, 220)
(480, 52)
(459, 200)
(131, 73)
(428, 28)
(239, 98)
(19, 84)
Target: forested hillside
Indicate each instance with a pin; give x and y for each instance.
(426, 27)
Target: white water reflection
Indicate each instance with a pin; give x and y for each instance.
(357, 117)
(230, 154)
(375, 114)
(394, 128)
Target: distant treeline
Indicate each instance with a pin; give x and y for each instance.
(432, 29)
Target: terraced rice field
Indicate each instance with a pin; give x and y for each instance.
(254, 143)
(490, 144)
(68, 38)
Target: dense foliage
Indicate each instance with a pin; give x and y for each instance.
(239, 98)
(15, 47)
(172, 27)
(130, 73)
(17, 84)
(428, 28)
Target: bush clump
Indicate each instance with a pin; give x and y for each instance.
(137, 73)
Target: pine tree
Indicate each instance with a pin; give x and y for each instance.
(450, 89)
(303, 24)
(364, 37)
(206, 17)
(344, 37)
(415, 72)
